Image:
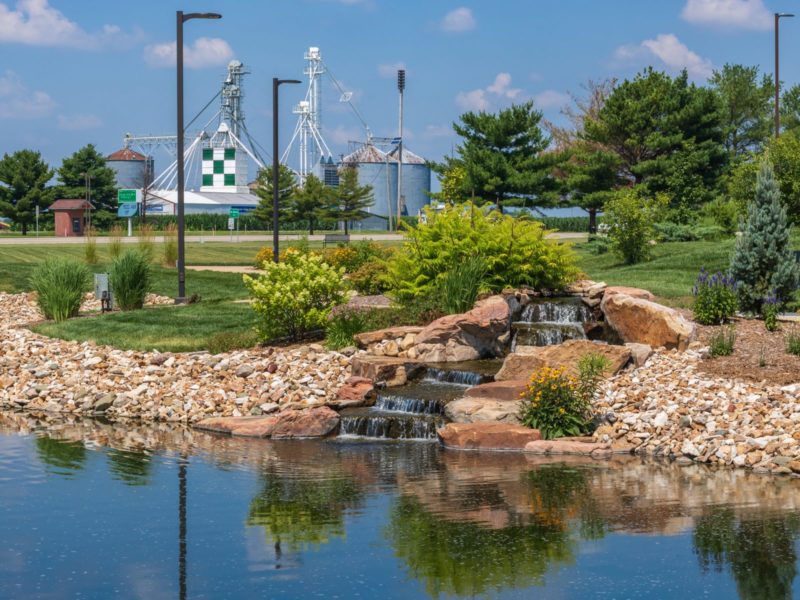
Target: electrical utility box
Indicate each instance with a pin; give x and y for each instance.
(102, 291)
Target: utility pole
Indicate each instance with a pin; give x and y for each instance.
(401, 86)
(778, 17)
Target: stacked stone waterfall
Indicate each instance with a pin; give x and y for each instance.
(551, 321)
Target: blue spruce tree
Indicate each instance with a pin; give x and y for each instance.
(763, 263)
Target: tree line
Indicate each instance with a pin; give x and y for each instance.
(27, 181)
(696, 145)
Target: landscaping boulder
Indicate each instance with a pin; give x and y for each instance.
(390, 371)
(381, 335)
(486, 436)
(568, 446)
(309, 423)
(521, 364)
(498, 390)
(482, 410)
(356, 391)
(482, 332)
(644, 322)
(629, 291)
(639, 353)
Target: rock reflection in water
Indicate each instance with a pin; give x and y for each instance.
(462, 524)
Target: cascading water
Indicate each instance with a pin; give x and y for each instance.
(415, 411)
(550, 321)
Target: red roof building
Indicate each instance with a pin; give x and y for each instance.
(71, 216)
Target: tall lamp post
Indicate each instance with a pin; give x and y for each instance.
(181, 18)
(778, 17)
(276, 83)
(87, 182)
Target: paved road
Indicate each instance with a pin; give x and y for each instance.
(220, 238)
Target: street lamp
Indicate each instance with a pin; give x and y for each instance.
(87, 182)
(181, 18)
(778, 17)
(276, 83)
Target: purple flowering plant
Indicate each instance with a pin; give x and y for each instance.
(714, 297)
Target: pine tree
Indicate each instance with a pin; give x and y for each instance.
(311, 203)
(24, 176)
(352, 199)
(763, 262)
(286, 187)
(103, 182)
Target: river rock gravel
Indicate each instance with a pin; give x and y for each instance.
(41, 373)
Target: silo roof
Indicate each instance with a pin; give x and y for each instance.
(366, 154)
(409, 158)
(126, 154)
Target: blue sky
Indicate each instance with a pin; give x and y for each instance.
(81, 71)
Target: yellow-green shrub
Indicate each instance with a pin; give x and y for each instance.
(514, 249)
(295, 296)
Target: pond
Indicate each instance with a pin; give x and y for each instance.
(100, 510)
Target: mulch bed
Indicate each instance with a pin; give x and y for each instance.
(754, 344)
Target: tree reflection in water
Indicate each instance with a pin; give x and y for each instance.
(130, 467)
(61, 457)
(300, 513)
(760, 553)
(455, 555)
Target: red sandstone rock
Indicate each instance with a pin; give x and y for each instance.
(486, 436)
(354, 392)
(392, 333)
(478, 333)
(390, 370)
(645, 322)
(520, 365)
(240, 426)
(498, 390)
(312, 422)
(568, 447)
(629, 291)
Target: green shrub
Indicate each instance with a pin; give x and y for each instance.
(294, 297)
(515, 250)
(345, 324)
(115, 241)
(370, 278)
(558, 404)
(631, 219)
(228, 341)
(130, 279)
(793, 343)
(667, 231)
(60, 284)
(723, 341)
(763, 261)
(725, 214)
(460, 286)
(769, 310)
(714, 298)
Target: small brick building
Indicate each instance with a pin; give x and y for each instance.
(71, 217)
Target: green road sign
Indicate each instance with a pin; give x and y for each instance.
(126, 196)
(234, 213)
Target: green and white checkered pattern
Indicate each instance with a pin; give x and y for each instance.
(223, 168)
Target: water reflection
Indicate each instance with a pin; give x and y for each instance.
(460, 524)
(759, 552)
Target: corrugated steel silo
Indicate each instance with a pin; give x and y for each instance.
(416, 182)
(132, 169)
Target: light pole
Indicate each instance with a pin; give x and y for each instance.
(276, 83)
(87, 182)
(401, 86)
(778, 17)
(181, 18)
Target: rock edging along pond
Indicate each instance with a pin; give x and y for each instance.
(660, 405)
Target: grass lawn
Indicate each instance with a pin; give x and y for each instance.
(167, 328)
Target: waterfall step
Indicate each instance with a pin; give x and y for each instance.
(545, 333)
(455, 377)
(380, 424)
(556, 310)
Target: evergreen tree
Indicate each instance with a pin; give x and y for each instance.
(352, 199)
(667, 134)
(763, 262)
(286, 187)
(103, 182)
(311, 203)
(502, 155)
(24, 175)
(591, 175)
(790, 109)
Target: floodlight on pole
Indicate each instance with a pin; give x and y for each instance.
(401, 86)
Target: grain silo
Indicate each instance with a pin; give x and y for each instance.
(416, 183)
(133, 170)
(376, 169)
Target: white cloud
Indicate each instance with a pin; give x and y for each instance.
(474, 100)
(78, 122)
(17, 101)
(205, 52)
(550, 99)
(668, 49)
(502, 87)
(736, 14)
(459, 20)
(341, 135)
(390, 69)
(435, 131)
(36, 23)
